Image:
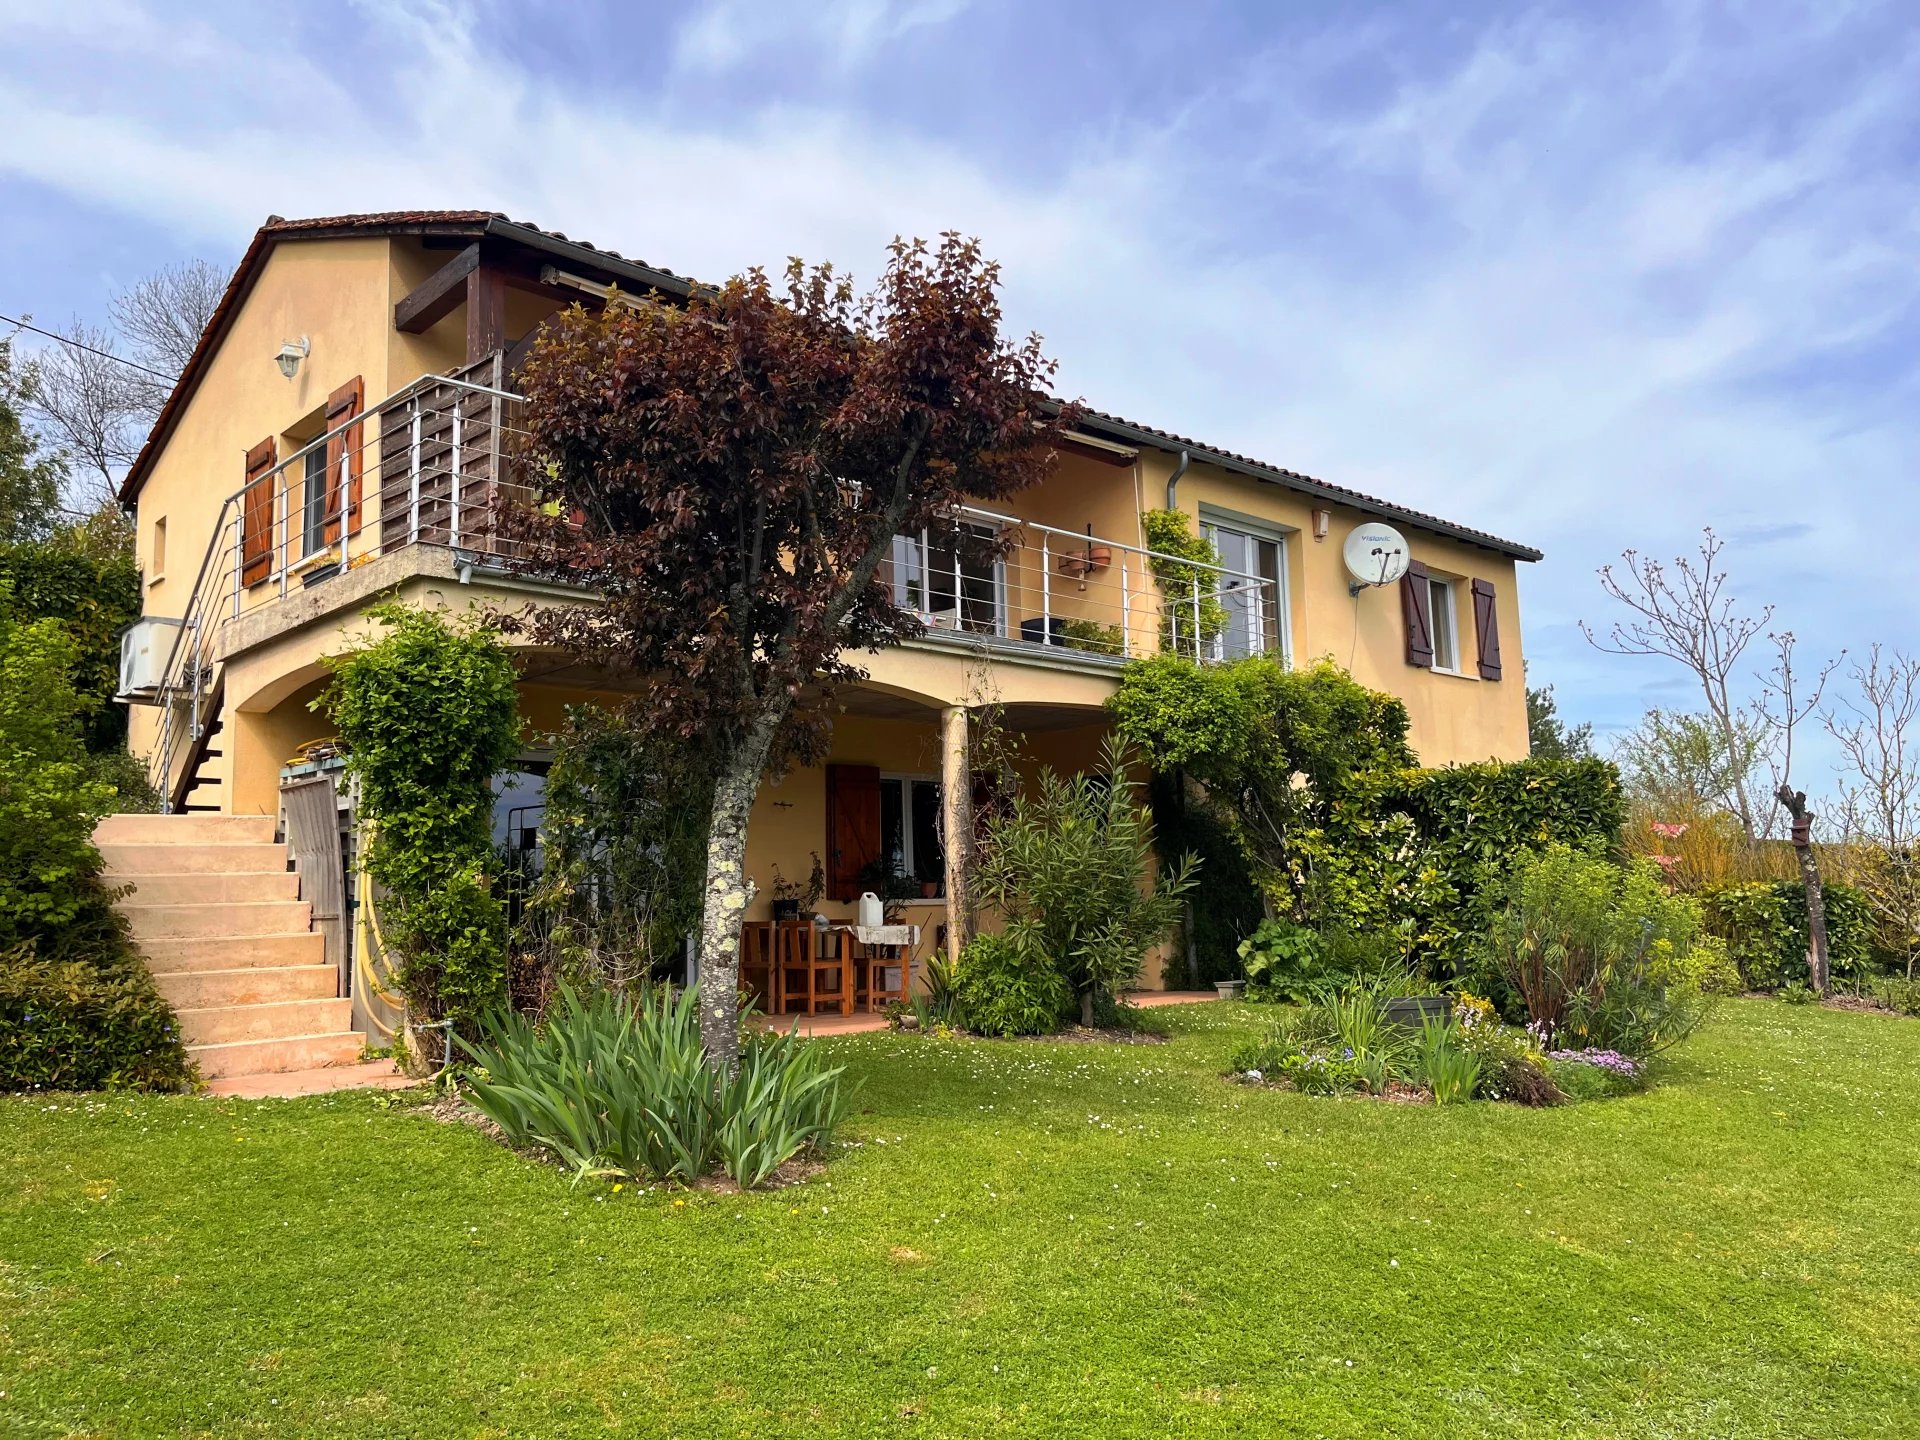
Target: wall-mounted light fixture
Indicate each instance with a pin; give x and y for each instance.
(290, 356)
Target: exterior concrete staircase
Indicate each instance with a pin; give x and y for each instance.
(216, 911)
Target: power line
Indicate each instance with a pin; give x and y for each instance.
(91, 349)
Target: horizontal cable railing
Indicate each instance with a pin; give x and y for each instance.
(433, 463)
(991, 578)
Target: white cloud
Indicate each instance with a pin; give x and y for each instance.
(1544, 287)
(724, 34)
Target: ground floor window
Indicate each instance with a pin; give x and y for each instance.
(910, 830)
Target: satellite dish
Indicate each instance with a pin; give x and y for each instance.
(1376, 555)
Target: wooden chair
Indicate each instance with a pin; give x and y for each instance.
(886, 974)
(793, 950)
(830, 954)
(759, 976)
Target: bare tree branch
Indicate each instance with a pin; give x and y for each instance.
(1683, 613)
(162, 317)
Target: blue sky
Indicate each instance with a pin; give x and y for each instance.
(1590, 276)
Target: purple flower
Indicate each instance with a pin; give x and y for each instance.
(1610, 1060)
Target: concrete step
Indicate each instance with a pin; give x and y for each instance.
(160, 858)
(271, 1057)
(184, 830)
(226, 921)
(255, 985)
(285, 1084)
(213, 888)
(198, 953)
(277, 1020)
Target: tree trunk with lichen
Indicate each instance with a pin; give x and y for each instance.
(728, 893)
(1795, 803)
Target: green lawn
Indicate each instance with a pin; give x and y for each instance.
(1026, 1239)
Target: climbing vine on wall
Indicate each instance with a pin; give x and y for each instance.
(429, 716)
(1189, 589)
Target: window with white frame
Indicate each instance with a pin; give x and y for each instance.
(910, 829)
(954, 577)
(1446, 629)
(1253, 591)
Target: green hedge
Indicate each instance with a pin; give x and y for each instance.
(1765, 926)
(1473, 820)
(81, 1013)
(77, 1007)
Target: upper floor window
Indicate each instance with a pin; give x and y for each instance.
(1253, 592)
(1446, 629)
(314, 503)
(954, 577)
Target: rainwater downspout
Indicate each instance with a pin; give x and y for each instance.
(1173, 480)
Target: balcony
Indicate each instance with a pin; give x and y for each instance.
(1002, 583)
(427, 469)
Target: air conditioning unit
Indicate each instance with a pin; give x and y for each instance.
(144, 649)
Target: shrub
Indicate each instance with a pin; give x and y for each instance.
(1601, 954)
(1310, 775)
(92, 1020)
(1285, 961)
(1070, 867)
(618, 1086)
(428, 716)
(1003, 987)
(1474, 820)
(78, 1008)
(1764, 925)
(1897, 993)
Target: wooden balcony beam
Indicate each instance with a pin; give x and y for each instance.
(435, 297)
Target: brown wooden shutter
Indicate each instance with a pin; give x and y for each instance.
(1486, 625)
(853, 827)
(346, 454)
(1416, 604)
(256, 514)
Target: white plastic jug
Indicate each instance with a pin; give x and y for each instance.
(872, 913)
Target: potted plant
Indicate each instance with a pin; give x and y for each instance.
(790, 897)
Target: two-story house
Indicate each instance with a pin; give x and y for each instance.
(345, 426)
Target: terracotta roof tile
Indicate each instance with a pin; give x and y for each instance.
(462, 221)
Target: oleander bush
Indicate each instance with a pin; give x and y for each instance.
(1603, 955)
(616, 1085)
(1069, 865)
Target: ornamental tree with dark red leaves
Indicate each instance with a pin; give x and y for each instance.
(729, 475)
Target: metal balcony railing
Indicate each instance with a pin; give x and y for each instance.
(431, 464)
